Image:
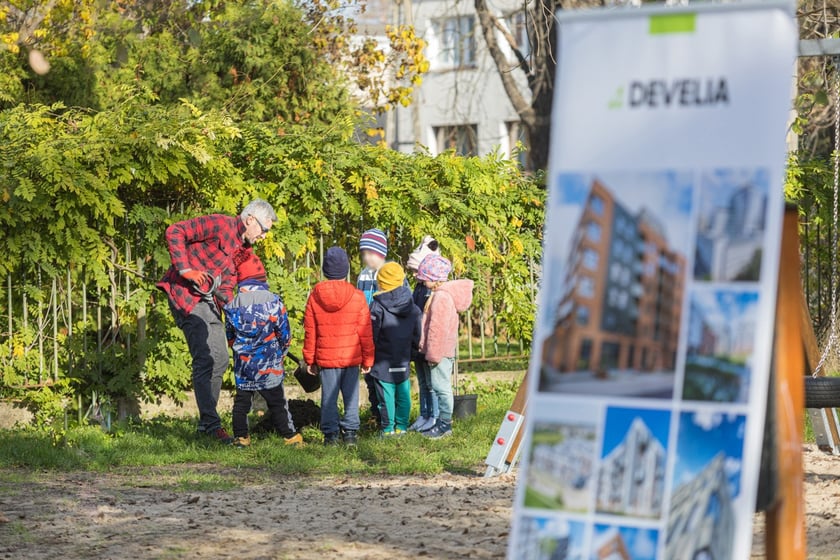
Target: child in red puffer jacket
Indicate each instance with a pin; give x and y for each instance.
(338, 340)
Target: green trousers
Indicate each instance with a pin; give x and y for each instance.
(394, 404)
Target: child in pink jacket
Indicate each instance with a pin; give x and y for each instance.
(440, 332)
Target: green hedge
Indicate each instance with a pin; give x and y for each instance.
(79, 186)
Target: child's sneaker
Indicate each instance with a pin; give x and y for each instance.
(296, 439)
(350, 439)
(440, 430)
(387, 435)
(330, 439)
(430, 423)
(421, 421)
(242, 442)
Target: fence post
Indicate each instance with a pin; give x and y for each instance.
(127, 294)
(321, 250)
(469, 334)
(40, 329)
(84, 323)
(54, 301)
(9, 299)
(483, 325)
(141, 326)
(69, 322)
(99, 331)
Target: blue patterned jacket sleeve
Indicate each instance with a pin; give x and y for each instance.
(282, 328)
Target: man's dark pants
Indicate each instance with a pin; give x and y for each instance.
(206, 339)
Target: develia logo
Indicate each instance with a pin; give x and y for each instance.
(682, 92)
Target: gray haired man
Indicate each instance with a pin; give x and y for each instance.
(202, 278)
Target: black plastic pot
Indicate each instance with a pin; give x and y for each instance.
(465, 405)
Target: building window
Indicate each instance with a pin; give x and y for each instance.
(593, 232)
(585, 354)
(586, 287)
(582, 315)
(615, 271)
(518, 25)
(625, 276)
(463, 138)
(622, 299)
(456, 42)
(596, 204)
(590, 259)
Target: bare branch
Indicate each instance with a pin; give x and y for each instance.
(511, 40)
(27, 22)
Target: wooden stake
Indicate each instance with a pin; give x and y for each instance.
(786, 519)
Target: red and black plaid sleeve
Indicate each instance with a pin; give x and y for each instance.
(207, 243)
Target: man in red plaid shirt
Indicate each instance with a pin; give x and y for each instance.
(199, 282)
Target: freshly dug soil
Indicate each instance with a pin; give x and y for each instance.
(304, 413)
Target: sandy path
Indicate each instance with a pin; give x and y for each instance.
(94, 516)
(133, 516)
(822, 507)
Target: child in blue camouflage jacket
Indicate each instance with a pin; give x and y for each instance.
(258, 330)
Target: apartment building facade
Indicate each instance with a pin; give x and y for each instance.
(701, 523)
(632, 476)
(622, 294)
(461, 104)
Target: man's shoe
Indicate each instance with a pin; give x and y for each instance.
(242, 442)
(421, 421)
(350, 438)
(296, 439)
(440, 430)
(330, 439)
(221, 435)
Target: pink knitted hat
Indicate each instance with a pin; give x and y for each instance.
(434, 268)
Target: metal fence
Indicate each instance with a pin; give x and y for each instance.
(57, 328)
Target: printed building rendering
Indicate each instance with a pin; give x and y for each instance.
(561, 467)
(729, 237)
(549, 539)
(622, 293)
(721, 329)
(632, 476)
(701, 522)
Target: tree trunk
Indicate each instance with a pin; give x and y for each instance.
(539, 68)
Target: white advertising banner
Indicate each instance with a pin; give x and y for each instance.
(652, 350)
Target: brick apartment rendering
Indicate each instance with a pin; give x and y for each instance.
(623, 292)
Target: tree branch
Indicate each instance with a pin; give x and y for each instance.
(489, 24)
(28, 21)
(523, 62)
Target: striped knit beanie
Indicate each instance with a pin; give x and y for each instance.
(374, 240)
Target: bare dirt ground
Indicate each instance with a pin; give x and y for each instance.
(149, 515)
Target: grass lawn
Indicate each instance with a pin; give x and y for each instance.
(167, 441)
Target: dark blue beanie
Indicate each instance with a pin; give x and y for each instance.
(336, 264)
